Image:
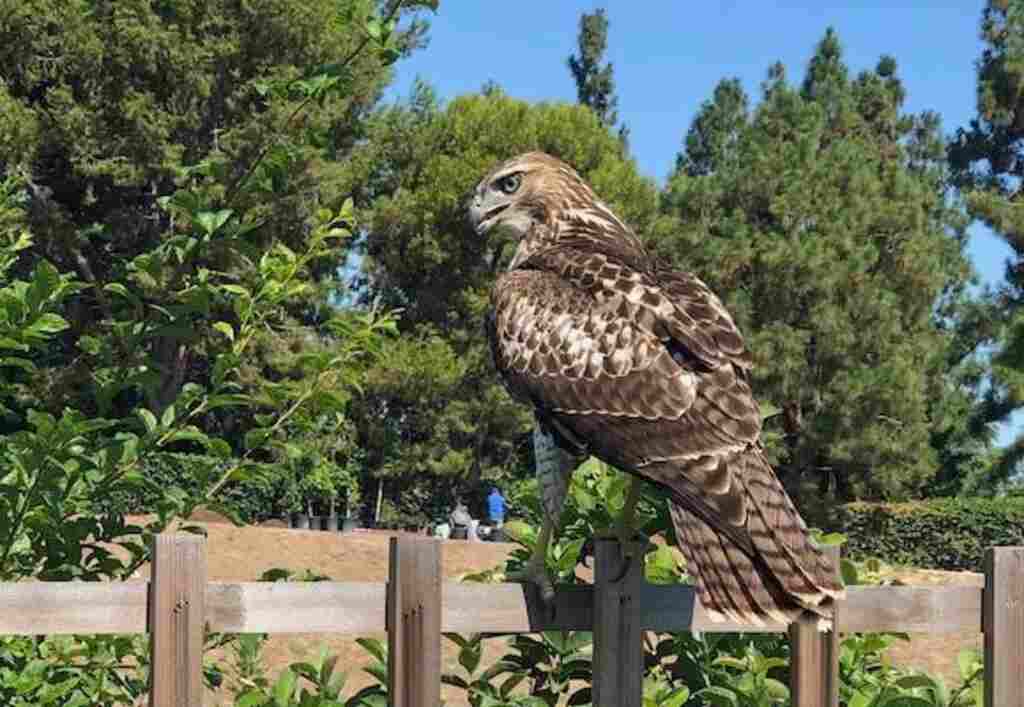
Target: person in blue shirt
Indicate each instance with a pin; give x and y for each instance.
(496, 507)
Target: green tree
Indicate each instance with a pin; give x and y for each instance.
(434, 415)
(595, 83)
(131, 102)
(988, 163)
(167, 222)
(821, 217)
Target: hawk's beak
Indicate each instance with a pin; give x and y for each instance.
(474, 211)
(482, 219)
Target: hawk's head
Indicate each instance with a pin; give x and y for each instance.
(532, 188)
(539, 201)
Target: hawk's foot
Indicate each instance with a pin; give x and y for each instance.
(536, 574)
(637, 545)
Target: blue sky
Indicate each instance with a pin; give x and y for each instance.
(668, 57)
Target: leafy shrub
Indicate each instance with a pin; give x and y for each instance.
(948, 533)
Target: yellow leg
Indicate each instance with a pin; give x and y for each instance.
(535, 572)
(624, 528)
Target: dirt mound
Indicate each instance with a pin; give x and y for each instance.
(202, 514)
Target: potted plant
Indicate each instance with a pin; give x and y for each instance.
(353, 496)
(292, 497)
(321, 485)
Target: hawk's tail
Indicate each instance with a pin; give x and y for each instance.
(768, 570)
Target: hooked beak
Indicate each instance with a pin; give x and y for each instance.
(482, 220)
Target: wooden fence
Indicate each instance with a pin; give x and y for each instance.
(416, 606)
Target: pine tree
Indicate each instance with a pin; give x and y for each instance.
(821, 218)
(595, 84)
(988, 162)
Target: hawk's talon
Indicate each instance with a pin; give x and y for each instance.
(537, 576)
(630, 548)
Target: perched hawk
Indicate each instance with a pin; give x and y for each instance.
(642, 366)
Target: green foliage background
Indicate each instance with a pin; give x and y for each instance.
(182, 182)
(945, 534)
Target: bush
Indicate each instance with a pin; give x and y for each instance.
(947, 534)
(187, 476)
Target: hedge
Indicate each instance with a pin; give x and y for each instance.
(251, 500)
(947, 533)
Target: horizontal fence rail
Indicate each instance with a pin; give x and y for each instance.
(415, 607)
(31, 608)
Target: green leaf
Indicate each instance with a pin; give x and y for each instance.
(374, 647)
(284, 689)
(347, 212)
(906, 701)
(583, 696)
(730, 662)
(967, 661)
(256, 438)
(859, 699)
(236, 290)
(520, 532)
(469, 658)
(211, 221)
(13, 362)
(776, 689)
(718, 696)
(225, 329)
(454, 681)
(118, 289)
(912, 681)
(832, 539)
(169, 416)
(148, 419)
(253, 698)
(45, 280)
(49, 323)
(228, 400)
(848, 570)
(676, 698)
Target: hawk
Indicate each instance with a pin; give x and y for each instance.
(624, 358)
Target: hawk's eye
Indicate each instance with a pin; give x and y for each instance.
(510, 184)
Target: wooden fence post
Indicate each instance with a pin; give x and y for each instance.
(177, 597)
(618, 638)
(413, 620)
(833, 640)
(1003, 623)
(814, 658)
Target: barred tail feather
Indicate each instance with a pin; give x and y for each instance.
(769, 571)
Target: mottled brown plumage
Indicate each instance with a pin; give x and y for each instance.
(642, 366)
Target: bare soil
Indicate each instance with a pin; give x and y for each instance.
(243, 554)
(935, 653)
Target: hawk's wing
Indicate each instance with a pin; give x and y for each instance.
(657, 372)
(648, 370)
